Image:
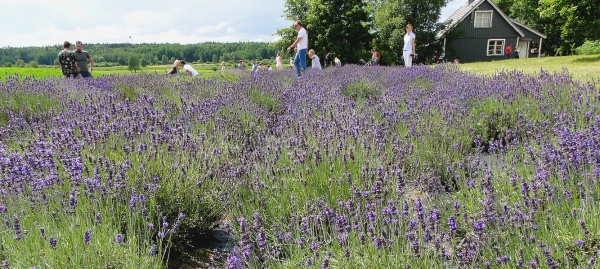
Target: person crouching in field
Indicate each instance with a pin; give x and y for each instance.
(188, 69)
(173, 70)
(68, 62)
(315, 61)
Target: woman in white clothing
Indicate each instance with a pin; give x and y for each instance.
(409, 46)
(223, 66)
(278, 61)
(315, 61)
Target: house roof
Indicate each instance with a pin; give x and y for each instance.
(528, 28)
(465, 10)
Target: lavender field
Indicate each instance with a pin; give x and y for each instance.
(348, 167)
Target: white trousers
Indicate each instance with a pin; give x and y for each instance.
(407, 59)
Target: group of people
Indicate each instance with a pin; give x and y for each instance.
(300, 46)
(74, 64)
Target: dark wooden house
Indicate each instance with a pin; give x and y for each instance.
(479, 31)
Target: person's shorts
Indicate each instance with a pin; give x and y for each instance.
(85, 74)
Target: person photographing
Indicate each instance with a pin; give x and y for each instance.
(409, 46)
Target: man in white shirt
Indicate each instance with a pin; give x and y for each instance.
(188, 69)
(302, 44)
(409, 46)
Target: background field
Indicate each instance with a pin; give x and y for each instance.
(581, 68)
(206, 70)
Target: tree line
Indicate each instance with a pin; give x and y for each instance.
(119, 54)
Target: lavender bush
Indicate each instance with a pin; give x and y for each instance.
(345, 168)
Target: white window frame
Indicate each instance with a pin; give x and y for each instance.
(481, 23)
(497, 43)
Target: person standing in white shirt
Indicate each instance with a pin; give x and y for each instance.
(279, 62)
(409, 46)
(188, 69)
(302, 44)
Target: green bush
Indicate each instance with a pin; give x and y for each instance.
(200, 211)
(33, 64)
(20, 63)
(360, 91)
(589, 48)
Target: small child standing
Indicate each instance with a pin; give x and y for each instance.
(315, 61)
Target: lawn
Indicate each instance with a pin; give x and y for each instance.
(206, 70)
(581, 67)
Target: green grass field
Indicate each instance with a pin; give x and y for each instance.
(581, 67)
(206, 70)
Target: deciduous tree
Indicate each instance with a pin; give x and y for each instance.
(134, 63)
(389, 33)
(341, 27)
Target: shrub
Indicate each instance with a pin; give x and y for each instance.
(360, 91)
(589, 48)
(33, 64)
(20, 63)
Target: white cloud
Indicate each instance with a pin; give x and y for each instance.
(152, 21)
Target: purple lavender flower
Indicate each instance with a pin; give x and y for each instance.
(579, 243)
(119, 238)
(585, 229)
(72, 201)
(325, 263)
(97, 218)
(452, 224)
(53, 242)
(87, 237)
(153, 251)
(17, 228)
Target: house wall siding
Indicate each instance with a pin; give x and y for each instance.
(472, 44)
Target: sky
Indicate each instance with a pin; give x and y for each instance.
(26, 23)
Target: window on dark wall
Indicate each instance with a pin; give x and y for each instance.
(534, 47)
(495, 47)
(483, 19)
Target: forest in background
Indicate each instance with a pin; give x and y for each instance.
(151, 54)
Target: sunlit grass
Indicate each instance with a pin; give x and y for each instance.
(581, 67)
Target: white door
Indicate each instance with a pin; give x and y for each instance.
(523, 49)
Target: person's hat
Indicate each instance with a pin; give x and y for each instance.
(78, 43)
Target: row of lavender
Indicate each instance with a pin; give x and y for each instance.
(349, 167)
